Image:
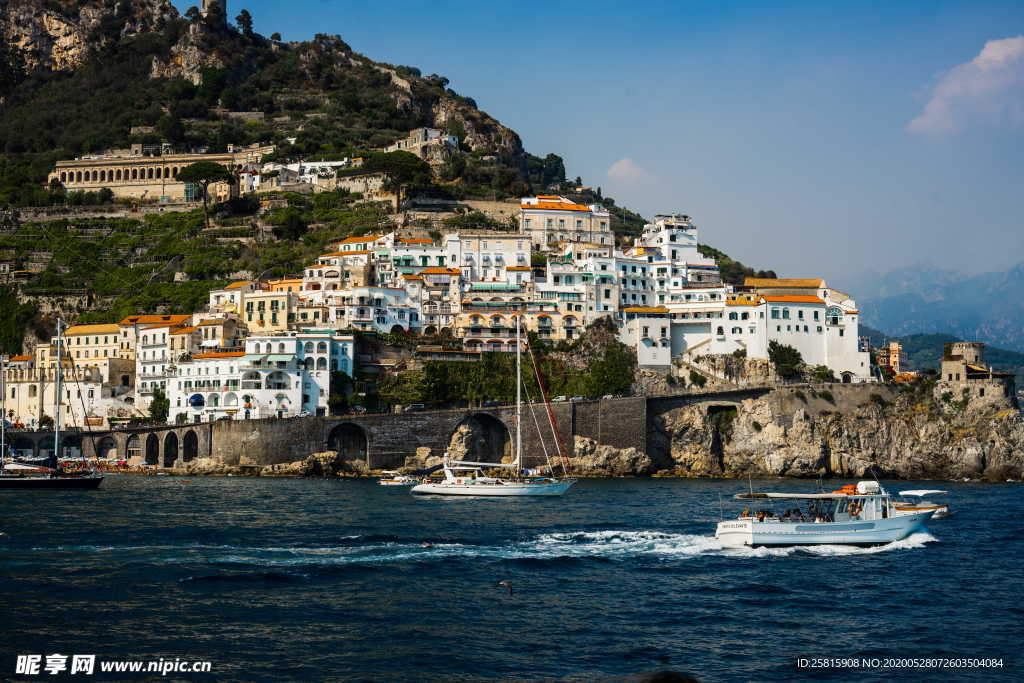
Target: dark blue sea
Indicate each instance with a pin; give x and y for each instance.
(316, 580)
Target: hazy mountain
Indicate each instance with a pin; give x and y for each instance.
(926, 300)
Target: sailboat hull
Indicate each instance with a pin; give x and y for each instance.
(50, 482)
(494, 490)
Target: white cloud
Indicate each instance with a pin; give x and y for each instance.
(627, 171)
(990, 86)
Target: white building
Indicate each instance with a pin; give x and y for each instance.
(280, 375)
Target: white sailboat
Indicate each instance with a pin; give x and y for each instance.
(52, 476)
(464, 478)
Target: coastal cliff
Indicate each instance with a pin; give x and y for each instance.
(841, 431)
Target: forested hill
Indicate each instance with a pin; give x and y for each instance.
(924, 351)
(76, 77)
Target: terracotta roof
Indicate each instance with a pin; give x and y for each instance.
(742, 301)
(184, 330)
(75, 330)
(213, 321)
(412, 277)
(555, 206)
(791, 282)
(150, 319)
(219, 354)
(24, 357)
(794, 299)
(518, 268)
(645, 309)
(239, 284)
(852, 310)
(439, 271)
(358, 240)
(283, 280)
(415, 240)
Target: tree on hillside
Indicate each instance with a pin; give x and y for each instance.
(786, 359)
(401, 169)
(202, 173)
(193, 14)
(244, 21)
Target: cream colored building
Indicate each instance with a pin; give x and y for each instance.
(551, 218)
(85, 342)
(137, 176)
(268, 311)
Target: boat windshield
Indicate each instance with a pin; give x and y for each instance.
(840, 509)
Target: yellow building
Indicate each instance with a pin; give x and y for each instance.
(86, 342)
(135, 175)
(268, 311)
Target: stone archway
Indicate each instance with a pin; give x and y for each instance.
(190, 446)
(133, 450)
(24, 446)
(170, 449)
(106, 449)
(350, 441)
(152, 450)
(481, 437)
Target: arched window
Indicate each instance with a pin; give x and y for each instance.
(280, 347)
(135, 174)
(31, 390)
(721, 331)
(145, 338)
(321, 347)
(63, 177)
(308, 347)
(309, 363)
(321, 363)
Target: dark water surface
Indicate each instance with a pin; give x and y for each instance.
(327, 580)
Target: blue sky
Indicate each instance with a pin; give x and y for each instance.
(785, 129)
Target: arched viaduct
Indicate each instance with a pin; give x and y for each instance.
(383, 440)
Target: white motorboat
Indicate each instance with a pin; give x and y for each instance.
(465, 478)
(908, 507)
(861, 515)
(393, 478)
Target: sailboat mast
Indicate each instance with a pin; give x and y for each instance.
(56, 403)
(3, 409)
(519, 394)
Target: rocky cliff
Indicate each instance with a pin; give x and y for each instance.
(840, 431)
(58, 35)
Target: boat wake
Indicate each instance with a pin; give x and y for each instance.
(608, 545)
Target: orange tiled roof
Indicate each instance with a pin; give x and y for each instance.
(219, 354)
(852, 310)
(213, 321)
(150, 319)
(355, 252)
(791, 282)
(76, 330)
(555, 206)
(239, 284)
(358, 240)
(412, 277)
(439, 271)
(415, 240)
(25, 357)
(518, 268)
(645, 309)
(742, 301)
(794, 299)
(184, 330)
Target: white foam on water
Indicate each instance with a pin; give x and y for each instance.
(607, 544)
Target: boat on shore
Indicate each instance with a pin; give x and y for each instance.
(859, 515)
(49, 473)
(394, 478)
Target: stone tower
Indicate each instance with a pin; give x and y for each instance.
(207, 3)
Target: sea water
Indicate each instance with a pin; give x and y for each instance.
(280, 579)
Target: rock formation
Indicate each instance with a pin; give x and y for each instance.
(842, 431)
